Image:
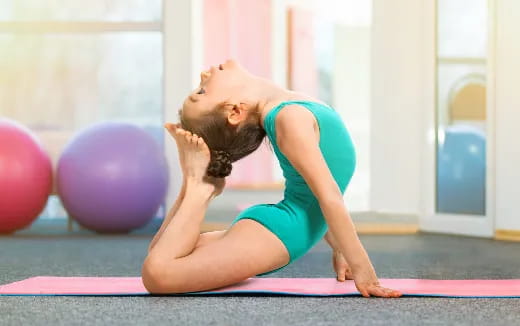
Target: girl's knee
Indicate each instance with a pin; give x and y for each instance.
(153, 274)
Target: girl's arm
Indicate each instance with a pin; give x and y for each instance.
(329, 237)
(299, 144)
(339, 263)
(363, 272)
(345, 239)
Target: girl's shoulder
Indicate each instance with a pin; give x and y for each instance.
(287, 115)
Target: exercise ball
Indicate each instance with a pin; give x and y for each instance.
(461, 171)
(112, 177)
(25, 176)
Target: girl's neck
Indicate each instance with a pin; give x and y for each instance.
(267, 95)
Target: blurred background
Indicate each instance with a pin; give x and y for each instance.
(424, 87)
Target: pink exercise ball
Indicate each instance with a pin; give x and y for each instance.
(25, 176)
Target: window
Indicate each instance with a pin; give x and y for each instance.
(67, 64)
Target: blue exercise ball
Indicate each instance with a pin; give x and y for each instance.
(112, 177)
(461, 171)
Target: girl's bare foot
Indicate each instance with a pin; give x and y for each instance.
(179, 139)
(194, 156)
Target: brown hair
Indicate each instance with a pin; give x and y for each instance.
(227, 143)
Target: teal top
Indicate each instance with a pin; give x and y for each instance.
(297, 220)
(335, 143)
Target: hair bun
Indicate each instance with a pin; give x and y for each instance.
(220, 164)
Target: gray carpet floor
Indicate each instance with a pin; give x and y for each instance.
(413, 256)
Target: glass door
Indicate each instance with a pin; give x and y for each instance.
(462, 199)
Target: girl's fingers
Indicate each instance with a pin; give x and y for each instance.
(368, 291)
(390, 292)
(394, 294)
(348, 274)
(341, 275)
(377, 291)
(342, 271)
(384, 292)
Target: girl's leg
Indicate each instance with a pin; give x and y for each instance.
(204, 237)
(175, 264)
(170, 215)
(184, 226)
(208, 237)
(245, 250)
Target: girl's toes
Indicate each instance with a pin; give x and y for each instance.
(187, 136)
(202, 144)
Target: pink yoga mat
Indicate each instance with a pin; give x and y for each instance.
(115, 286)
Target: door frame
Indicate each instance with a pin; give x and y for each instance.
(429, 219)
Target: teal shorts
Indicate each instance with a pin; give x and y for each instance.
(299, 226)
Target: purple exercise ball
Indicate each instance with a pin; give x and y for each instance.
(112, 177)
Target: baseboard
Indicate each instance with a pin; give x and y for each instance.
(507, 235)
(386, 228)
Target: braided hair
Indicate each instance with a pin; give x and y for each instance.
(220, 164)
(227, 143)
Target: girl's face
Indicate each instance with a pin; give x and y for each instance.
(217, 85)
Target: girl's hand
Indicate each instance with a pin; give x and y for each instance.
(341, 266)
(367, 284)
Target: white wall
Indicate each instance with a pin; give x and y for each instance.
(279, 59)
(351, 86)
(351, 90)
(507, 119)
(397, 94)
(182, 51)
(402, 97)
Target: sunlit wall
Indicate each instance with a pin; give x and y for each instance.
(341, 33)
(66, 64)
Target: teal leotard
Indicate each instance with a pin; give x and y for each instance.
(297, 220)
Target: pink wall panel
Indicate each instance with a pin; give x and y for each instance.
(241, 29)
(252, 43)
(217, 36)
(303, 69)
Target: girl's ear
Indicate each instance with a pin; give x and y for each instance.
(237, 113)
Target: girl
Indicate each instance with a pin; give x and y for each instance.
(223, 120)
